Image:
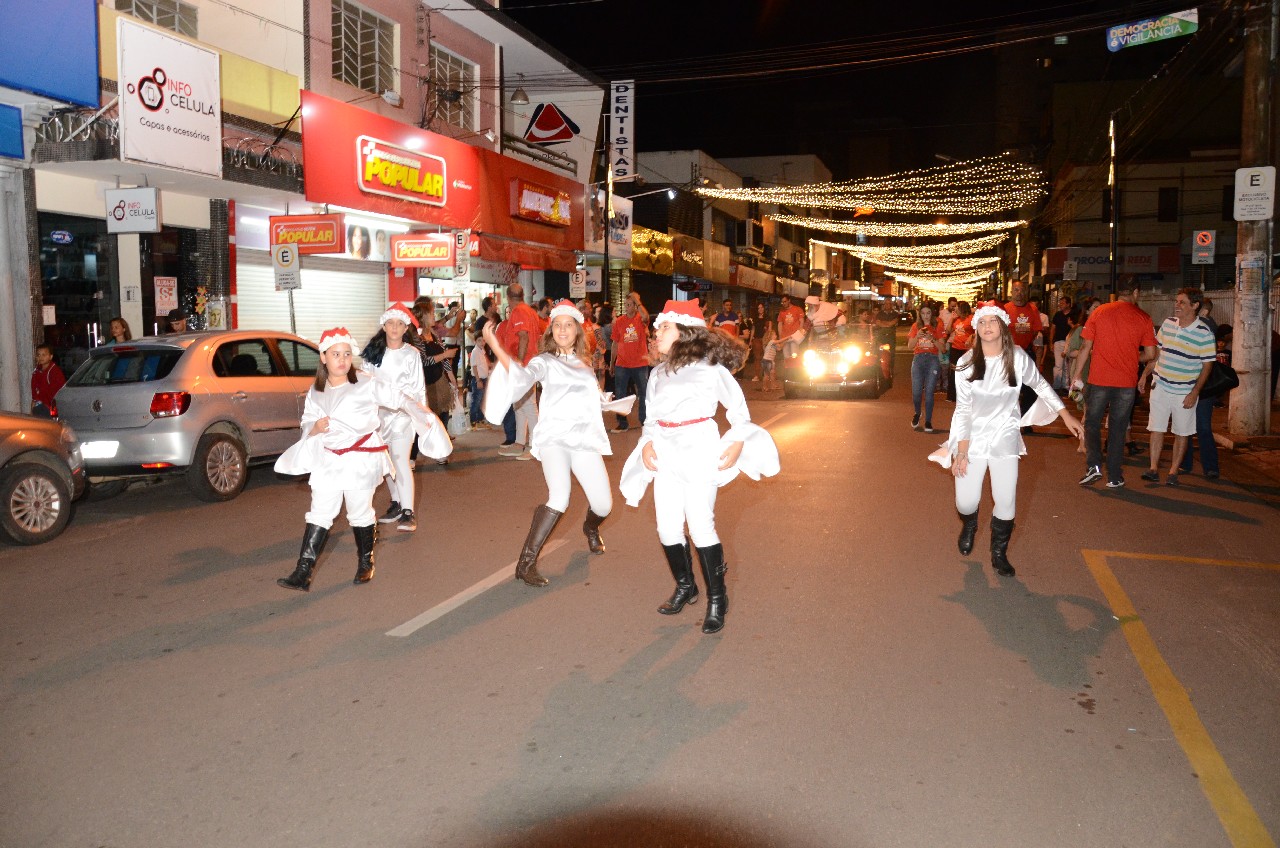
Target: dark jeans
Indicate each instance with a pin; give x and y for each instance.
(924, 377)
(509, 426)
(476, 415)
(1204, 436)
(1115, 403)
(624, 379)
(956, 353)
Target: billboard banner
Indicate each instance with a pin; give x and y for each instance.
(170, 101)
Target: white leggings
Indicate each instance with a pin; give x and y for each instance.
(1004, 486)
(326, 502)
(677, 502)
(588, 467)
(401, 486)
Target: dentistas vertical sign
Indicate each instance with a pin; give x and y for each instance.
(170, 101)
(622, 128)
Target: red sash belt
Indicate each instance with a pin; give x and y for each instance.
(683, 423)
(358, 447)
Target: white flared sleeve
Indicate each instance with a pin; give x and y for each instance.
(507, 384)
(622, 407)
(759, 457)
(635, 478)
(1047, 406)
(304, 454)
(961, 417)
(433, 439)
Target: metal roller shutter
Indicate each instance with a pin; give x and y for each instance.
(335, 292)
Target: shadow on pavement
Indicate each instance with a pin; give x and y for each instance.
(1034, 625)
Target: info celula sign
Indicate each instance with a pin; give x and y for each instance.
(1152, 29)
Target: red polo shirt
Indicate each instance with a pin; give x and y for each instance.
(630, 342)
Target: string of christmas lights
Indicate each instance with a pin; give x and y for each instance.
(934, 263)
(975, 187)
(952, 248)
(890, 230)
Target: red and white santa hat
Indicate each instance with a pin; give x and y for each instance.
(565, 307)
(400, 312)
(336, 335)
(684, 312)
(990, 308)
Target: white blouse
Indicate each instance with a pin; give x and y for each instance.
(570, 413)
(401, 368)
(987, 413)
(691, 452)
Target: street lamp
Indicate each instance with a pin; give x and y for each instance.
(519, 97)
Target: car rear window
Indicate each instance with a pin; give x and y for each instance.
(125, 366)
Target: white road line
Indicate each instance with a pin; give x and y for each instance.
(766, 424)
(470, 593)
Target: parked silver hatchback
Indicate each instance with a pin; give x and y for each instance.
(204, 404)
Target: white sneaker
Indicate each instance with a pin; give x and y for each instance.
(525, 456)
(510, 450)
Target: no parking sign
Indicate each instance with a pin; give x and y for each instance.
(1203, 247)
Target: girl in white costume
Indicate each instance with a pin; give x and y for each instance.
(682, 452)
(986, 428)
(342, 450)
(394, 355)
(569, 438)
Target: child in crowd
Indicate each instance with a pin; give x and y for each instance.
(683, 454)
(768, 360)
(343, 450)
(46, 380)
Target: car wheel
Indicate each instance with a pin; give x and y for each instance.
(107, 489)
(220, 468)
(789, 392)
(37, 503)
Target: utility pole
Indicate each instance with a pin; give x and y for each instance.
(1249, 411)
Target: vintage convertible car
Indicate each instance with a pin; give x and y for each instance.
(840, 361)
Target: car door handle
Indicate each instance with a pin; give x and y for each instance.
(239, 396)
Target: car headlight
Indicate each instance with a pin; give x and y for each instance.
(813, 364)
(851, 354)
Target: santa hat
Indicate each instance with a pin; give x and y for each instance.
(684, 312)
(565, 307)
(337, 335)
(400, 312)
(990, 308)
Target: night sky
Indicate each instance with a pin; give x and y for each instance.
(914, 105)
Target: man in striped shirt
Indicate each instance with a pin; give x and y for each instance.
(1187, 351)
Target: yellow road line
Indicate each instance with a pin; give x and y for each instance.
(1226, 563)
(1239, 819)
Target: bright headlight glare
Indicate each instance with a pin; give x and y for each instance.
(813, 364)
(851, 354)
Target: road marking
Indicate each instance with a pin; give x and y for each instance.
(765, 425)
(472, 592)
(1243, 826)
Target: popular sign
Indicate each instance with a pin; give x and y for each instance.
(170, 101)
(535, 202)
(401, 173)
(422, 250)
(310, 233)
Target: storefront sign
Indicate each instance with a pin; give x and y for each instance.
(310, 233)
(133, 210)
(1096, 261)
(535, 202)
(170, 101)
(686, 256)
(422, 250)
(398, 172)
(622, 128)
(595, 280)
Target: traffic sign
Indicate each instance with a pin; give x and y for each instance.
(1255, 193)
(1203, 247)
(285, 263)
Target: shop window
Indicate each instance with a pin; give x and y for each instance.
(364, 48)
(171, 14)
(454, 80)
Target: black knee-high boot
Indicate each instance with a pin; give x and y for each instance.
(313, 539)
(364, 553)
(591, 529)
(1001, 530)
(544, 521)
(968, 529)
(681, 565)
(713, 569)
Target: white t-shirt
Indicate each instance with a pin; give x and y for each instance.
(479, 363)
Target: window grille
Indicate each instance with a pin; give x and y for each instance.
(364, 48)
(171, 14)
(454, 81)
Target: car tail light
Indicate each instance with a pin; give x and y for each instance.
(169, 404)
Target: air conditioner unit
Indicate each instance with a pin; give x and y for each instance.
(749, 236)
(799, 257)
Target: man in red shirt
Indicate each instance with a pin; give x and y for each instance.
(631, 356)
(1027, 326)
(1117, 338)
(46, 379)
(790, 321)
(521, 332)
